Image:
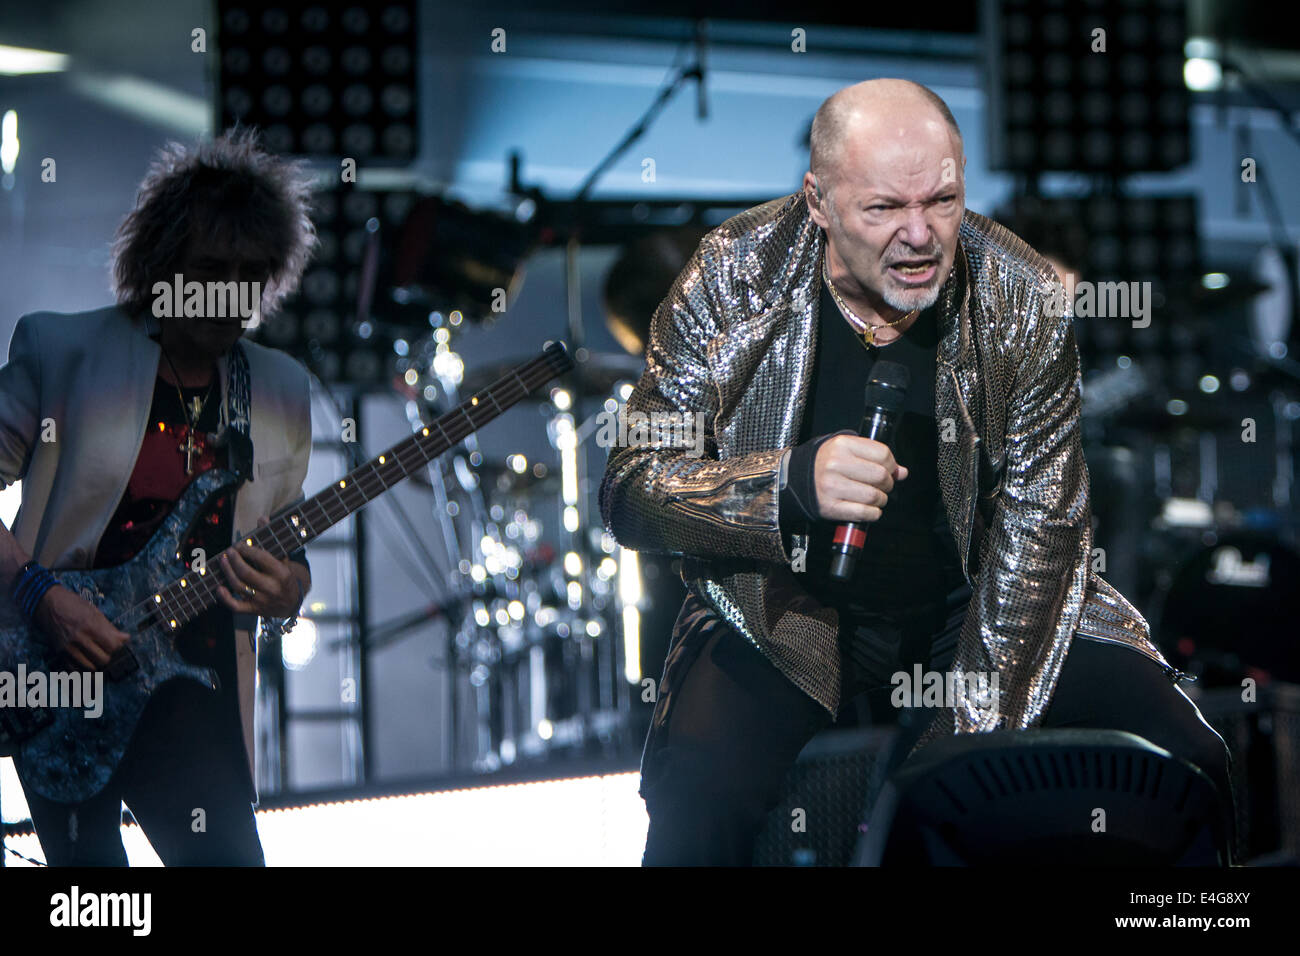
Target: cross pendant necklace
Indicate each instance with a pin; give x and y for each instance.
(192, 416)
(188, 446)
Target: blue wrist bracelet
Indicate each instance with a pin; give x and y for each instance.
(30, 585)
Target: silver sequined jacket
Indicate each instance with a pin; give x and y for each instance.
(734, 341)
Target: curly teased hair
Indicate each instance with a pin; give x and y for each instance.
(228, 189)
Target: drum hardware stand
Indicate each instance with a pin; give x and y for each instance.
(604, 653)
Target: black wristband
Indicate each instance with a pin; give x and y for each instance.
(799, 494)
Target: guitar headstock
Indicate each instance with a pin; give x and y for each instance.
(558, 358)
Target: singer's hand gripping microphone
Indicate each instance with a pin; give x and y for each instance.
(885, 393)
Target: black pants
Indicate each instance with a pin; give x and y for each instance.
(728, 725)
(185, 779)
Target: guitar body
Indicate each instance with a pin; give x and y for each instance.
(72, 757)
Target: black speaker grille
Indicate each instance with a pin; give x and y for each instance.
(834, 782)
(1264, 738)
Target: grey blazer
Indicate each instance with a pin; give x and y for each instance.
(86, 379)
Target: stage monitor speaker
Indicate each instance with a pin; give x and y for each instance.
(826, 797)
(1077, 797)
(1263, 736)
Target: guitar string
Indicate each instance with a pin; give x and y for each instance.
(185, 599)
(191, 601)
(370, 482)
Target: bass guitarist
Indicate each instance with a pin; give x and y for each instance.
(106, 416)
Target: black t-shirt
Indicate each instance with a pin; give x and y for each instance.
(910, 557)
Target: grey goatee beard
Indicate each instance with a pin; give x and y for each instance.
(907, 300)
(912, 299)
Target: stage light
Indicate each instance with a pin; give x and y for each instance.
(17, 61)
(318, 324)
(146, 101)
(1202, 75)
(9, 142)
(1121, 238)
(1058, 103)
(322, 82)
(632, 644)
(298, 647)
(629, 577)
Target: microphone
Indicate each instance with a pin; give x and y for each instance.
(886, 390)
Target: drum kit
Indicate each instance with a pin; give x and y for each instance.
(558, 634)
(543, 647)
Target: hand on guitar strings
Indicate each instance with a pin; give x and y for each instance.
(77, 629)
(265, 585)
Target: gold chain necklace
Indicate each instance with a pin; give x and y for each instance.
(864, 329)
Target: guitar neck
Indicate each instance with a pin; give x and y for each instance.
(293, 527)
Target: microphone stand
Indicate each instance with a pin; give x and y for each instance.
(608, 685)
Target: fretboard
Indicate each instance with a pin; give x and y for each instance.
(292, 528)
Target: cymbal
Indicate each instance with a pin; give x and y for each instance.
(642, 276)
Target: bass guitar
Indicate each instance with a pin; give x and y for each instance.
(65, 755)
